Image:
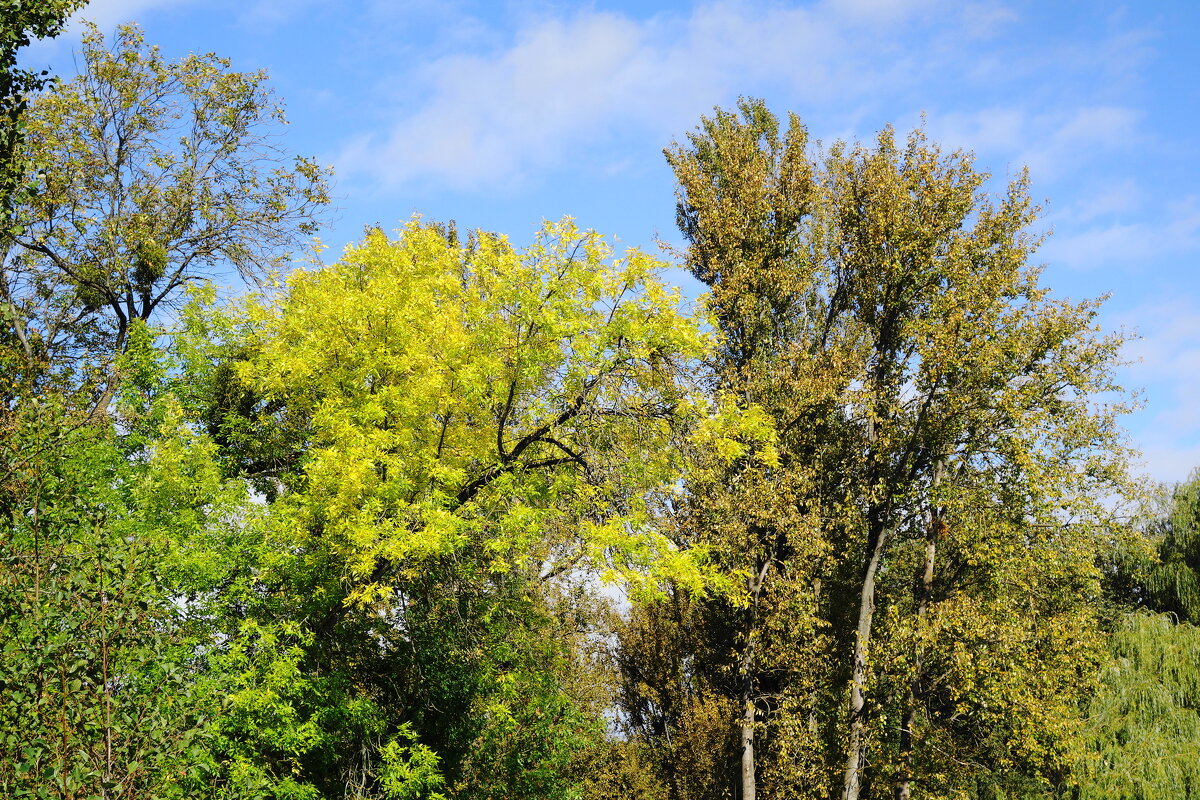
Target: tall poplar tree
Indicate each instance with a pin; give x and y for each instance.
(941, 459)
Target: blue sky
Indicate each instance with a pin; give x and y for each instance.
(499, 114)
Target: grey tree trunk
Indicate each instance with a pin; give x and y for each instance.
(749, 785)
(858, 678)
(904, 784)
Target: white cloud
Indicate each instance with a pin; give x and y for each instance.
(564, 84)
(1060, 144)
(1168, 462)
(575, 81)
(1130, 244)
(1166, 361)
(488, 115)
(985, 20)
(878, 12)
(1107, 63)
(1050, 143)
(271, 13)
(1114, 244)
(1103, 126)
(1118, 196)
(989, 130)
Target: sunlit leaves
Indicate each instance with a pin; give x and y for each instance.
(486, 394)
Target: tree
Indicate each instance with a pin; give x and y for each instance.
(98, 668)
(941, 458)
(744, 509)
(155, 174)
(94, 671)
(20, 21)
(450, 437)
(1171, 584)
(1143, 726)
(1142, 721)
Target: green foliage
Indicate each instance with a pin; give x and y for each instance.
(410, 769)
(1143, 724)
(499, 400)
(20, 21)
(450, 439)
(93, 672)
(349, 537)
(1172, 583)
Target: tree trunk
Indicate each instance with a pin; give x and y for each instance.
(858, 701)
(936, 526)
(903, 786)
(749, 786)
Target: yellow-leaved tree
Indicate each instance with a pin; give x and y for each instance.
(454, 441)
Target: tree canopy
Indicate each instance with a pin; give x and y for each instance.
(21, 22)
(152, 175)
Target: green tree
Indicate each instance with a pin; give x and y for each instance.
(1143, 727)
(155, 174)
(1143, 721)
(1171, 583)
(935, 503)
(103, 663)
(94, 671)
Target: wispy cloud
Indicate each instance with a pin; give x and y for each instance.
(1105, 199)
(487, 117)
(1049, 142)
(1111, 61)
(275, 12)
(581, 79)
(1173, 232)
(563, 84)
(1166, 361)
(109, 13)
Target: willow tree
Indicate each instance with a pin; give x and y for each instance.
(941, 456)
(1172, 583)
(1143, 727)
